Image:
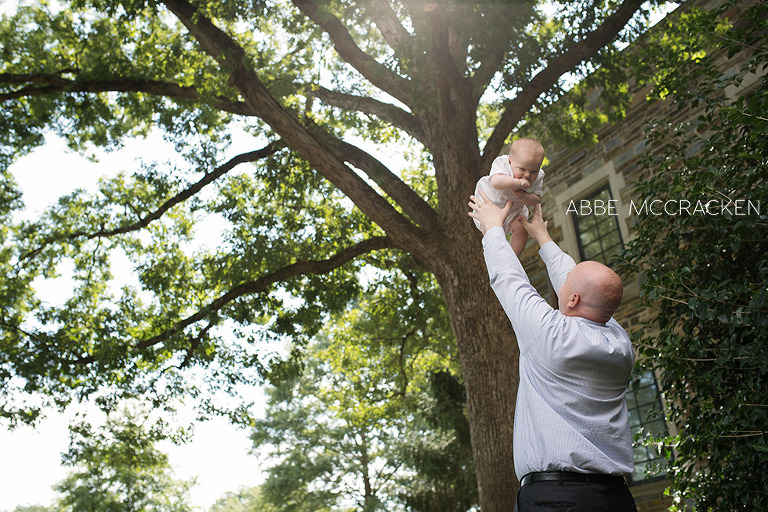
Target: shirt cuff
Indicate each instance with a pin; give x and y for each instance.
(494, 232)
(548, 250)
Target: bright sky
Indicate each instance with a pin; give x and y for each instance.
(218, 454)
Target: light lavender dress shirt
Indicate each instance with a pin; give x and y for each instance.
(571, 414)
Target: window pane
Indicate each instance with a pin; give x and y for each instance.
(645, 417)
(598, 231)
(604, 223)
(646, 396)
(639, 473)
(656, 428)
(591, 239)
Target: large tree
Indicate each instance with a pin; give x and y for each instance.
(324, 85)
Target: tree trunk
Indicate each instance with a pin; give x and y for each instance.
(368, 498)
(485, 340)
(489, 357)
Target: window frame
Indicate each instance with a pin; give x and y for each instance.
(613, 219)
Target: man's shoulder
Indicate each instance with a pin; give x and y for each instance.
(614, 324)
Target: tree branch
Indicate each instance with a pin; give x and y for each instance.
(388, 24)
(182, 196)
(53, 84)
(507, 20)
(581, 51)
(262, 284)
(313, 147)
(384, 111)
(194, 344)
(488, 68)
(413, 205)
(379, 75)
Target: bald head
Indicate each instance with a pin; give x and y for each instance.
(592, 291)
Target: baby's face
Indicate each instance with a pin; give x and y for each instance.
(525, 165)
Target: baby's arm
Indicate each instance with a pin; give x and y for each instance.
(506, 182)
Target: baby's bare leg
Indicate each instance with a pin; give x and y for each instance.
(518, 237)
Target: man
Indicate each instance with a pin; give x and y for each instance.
(572, 440)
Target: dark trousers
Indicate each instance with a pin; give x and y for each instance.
(574, 497)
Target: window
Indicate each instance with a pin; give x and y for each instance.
(646, 419)
(597, 227)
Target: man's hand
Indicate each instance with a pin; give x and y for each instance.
(537, 227)
(487, 213)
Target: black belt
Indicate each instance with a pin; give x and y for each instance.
(569, 476)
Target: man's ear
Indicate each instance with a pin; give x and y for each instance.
(573, 300)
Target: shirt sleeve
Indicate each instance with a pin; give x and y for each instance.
(499, 166)
(558, 264)
(526, 309)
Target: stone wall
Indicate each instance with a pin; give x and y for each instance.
(650, 497)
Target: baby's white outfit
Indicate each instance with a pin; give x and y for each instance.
(500, 197)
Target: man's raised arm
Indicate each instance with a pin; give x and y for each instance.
(524, 306)
(558, 262)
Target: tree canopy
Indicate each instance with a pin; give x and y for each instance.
(330, 91)
(117, 467)
(377, 419)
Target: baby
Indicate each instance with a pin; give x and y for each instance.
(516, 177)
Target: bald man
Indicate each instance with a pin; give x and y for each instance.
(572, 443)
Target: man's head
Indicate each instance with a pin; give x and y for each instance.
(525, 158)
(592, 291)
